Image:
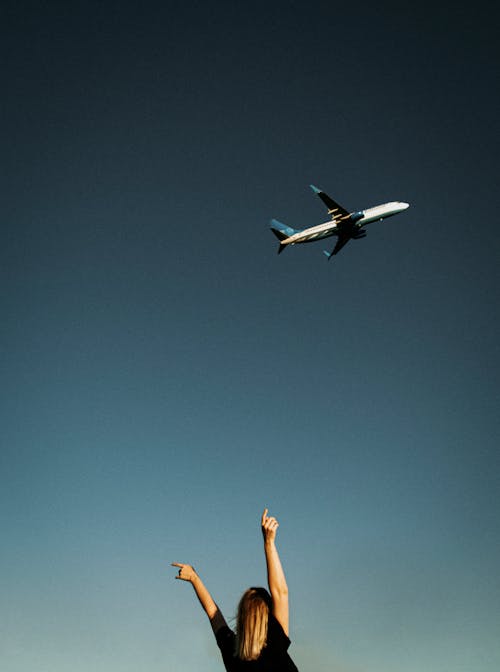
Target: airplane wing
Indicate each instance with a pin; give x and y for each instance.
(334, 208)
(343, 239)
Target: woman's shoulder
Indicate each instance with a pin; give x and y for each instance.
(225, 637)
(276, 636)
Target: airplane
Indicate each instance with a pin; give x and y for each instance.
(343, 224)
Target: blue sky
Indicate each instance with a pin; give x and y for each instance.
(166, 375)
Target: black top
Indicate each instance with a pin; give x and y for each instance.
(273, 657)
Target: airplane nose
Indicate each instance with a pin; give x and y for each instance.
(404, 205)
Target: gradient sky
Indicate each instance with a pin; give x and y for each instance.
(165, 375)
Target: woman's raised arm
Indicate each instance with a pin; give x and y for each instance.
(188, 573)
(275, 574)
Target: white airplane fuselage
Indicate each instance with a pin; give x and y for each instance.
(357, 219)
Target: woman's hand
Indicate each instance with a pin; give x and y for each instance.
(269, 526)
(186, 572)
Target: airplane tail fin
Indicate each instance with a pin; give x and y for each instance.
(280, 230)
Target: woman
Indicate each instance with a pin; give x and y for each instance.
(261, 641)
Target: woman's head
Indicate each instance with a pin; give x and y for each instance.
(251, 625)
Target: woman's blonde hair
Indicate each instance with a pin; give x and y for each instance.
(251, 623)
